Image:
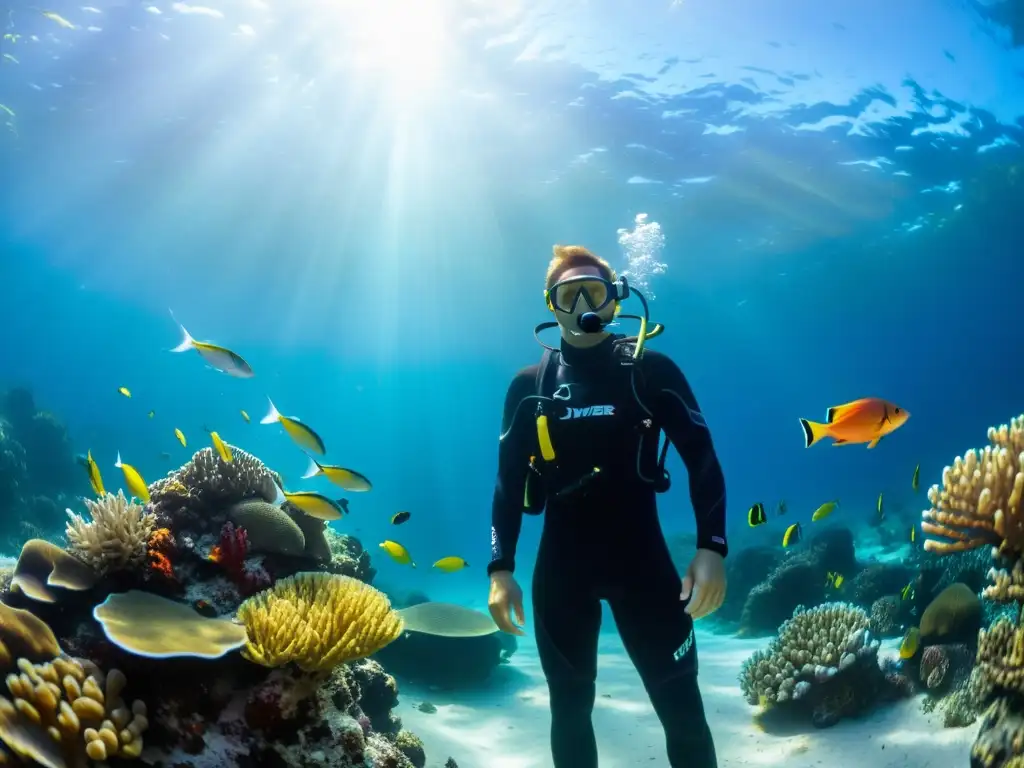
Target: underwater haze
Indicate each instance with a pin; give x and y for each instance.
(822, 201)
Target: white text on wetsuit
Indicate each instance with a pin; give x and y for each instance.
(590, 410)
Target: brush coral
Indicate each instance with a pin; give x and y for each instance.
(317, 620)
(115, 536)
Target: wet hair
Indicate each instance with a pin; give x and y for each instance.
(568, 257)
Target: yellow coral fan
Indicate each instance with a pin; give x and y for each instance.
(115, 538)
(63, 711)
(43, 564)
(317, 620)
(979, 502)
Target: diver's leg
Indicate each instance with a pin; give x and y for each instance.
(567, 620)
(658, 636)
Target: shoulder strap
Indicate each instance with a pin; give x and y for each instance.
(546, 360)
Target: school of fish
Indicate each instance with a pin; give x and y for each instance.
(864, 421)
(311, 503)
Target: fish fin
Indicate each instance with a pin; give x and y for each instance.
(813, 432)
(839, 441)
(312, 470)
(279, 498)
(272, 415)
(874, 442)
(837, 412)
(187, 342)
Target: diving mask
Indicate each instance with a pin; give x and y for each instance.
(596, 292)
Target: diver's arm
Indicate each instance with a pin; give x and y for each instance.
(510, 486)
(677, 413)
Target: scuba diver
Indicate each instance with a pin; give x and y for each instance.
(580, 442)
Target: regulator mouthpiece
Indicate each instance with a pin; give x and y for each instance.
(590, 322)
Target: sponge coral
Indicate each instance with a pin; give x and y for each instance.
(116, 536)
(318, 621)
(63, 711)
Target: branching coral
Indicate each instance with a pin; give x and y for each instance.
(979, 501)
(116, 536)
(318, 621)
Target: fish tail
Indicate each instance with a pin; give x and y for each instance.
(187, 342)
(813, 432)
(118, 462)
(279, 497)
(272, 415)
(313, 470)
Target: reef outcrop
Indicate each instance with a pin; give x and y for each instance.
(250, 623)
(978, 505)
(823, 664)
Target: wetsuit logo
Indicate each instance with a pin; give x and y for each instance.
(684, 649)
(590, 410)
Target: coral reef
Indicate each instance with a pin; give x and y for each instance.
(979, 505)
(38, 473)
(823, 661)
(799, 580)
(116, 537)
(60, 710)
(885, 616)
(259, 650)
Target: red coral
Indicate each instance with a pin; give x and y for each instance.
(159, 549)
(161, 564)
(230, 552)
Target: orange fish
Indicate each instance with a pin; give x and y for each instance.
(867, 420)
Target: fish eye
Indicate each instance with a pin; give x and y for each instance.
(897, 409)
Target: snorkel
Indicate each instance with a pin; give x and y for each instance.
(591, 320)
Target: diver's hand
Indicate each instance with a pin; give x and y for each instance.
(705, 581)
(505, 597)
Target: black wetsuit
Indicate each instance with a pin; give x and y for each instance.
(603, 540)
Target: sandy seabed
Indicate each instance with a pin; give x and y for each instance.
(507, 726)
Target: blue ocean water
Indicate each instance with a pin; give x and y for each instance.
(362, 203)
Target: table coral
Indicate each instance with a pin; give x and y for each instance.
(114, 538)
(149, 625)
(318, 621)
(42, 564)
